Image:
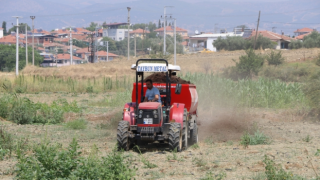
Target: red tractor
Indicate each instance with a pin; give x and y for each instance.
(172, 122)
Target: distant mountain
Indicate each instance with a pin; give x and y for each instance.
(203, 16)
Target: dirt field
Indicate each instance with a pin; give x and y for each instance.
(220, 130)
(219, 150)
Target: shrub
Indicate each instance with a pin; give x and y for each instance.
(275, 172)
(89, 89)
(318, 60)
(77, 124)
(295, 44)
(255, 139)
(275, 58)
(51, 161)
(22, 111)
(211, 176)
(6, 143)
(249, 64)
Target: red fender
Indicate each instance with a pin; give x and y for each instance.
(176, 113)
(128, 113)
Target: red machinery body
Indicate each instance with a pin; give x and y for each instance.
(188, 95)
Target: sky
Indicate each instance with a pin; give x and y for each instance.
(206, 16)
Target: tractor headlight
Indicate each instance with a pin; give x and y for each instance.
(155, 112)
(140, 116)
(140, 112)
(155, 116)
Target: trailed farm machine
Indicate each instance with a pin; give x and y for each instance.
(173, 121)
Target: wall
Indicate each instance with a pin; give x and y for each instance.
(1, 33)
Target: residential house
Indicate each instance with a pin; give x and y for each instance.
(303, 31)
(104, 56)
(141, 33)
(11, 39)
(114, 32)
(281, 40)
(170, 31)
(40, 31)
(201, 41)
(85, 54)
(1, 32)
(65, 32)
(48, 60)
(64, 60)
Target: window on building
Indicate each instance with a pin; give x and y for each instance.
(110, 58)
(65, 61)
(120, 31)
(120, 39)
(46, 39)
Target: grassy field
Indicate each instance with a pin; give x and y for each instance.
(249, 129)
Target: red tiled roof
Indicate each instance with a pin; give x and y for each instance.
(1, 28)
(10, 38)
(42, 31)
(303, 35)
(100, 31)
(304, 30)
(62, 39)
(271, 35)
(83, 50)
(104, 53)
(137, 31)
(67, 57)
(168, 28)
(53, 44)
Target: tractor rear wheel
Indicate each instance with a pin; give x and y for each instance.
(123, 135)
(194, 134)
(175, 137)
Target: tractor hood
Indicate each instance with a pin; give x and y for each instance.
(149, 105)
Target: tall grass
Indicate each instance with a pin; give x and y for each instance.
(36, 83)
(263, 93)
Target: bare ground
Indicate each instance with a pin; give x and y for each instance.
(219, 150)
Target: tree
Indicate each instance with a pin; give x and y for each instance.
(22, 28)
(92, 26)
(274, 58)
(249, 64)
(295, 44)
(4, 26)
(111, 44)
(60, 51)
(159, 24)
(8, 57)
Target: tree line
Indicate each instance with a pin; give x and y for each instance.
(310, 41)
(8, 57)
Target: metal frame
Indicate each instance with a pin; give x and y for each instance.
(168, 84)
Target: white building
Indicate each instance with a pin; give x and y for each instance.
(115, 33)
(198, 42)
(1, 32)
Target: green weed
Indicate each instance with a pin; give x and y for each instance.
(51, 161)
(255, 139)
(307, 139)
(199, 162)
(174, 156)
(211, 176)
(80, 123)
(195, 146)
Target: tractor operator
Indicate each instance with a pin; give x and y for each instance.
(152, 94)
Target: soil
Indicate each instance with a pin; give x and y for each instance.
(161, 78)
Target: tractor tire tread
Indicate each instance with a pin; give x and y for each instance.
(123, 135)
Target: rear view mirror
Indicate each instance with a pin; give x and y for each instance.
(178, 89)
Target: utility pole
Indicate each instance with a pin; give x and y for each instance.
(71, 54)
(96, 46)
(17, 45)
(128, 32)
(26, 44)
(32, 17)
(175, 42)
(56, 56)
(164, 31)
(255, 39)
(135, 46)
(107, 51)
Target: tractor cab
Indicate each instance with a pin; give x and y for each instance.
(159, 65)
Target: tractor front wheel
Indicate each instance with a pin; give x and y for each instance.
(123, 135)
(175, 137)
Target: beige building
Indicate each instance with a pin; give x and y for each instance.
(170, 30)
(141, 33)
